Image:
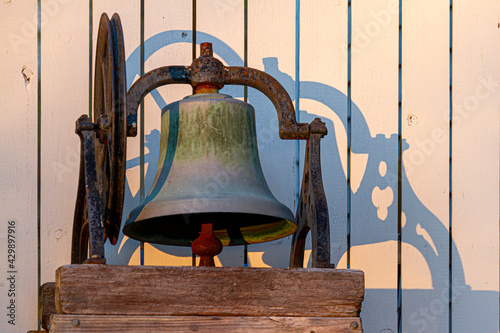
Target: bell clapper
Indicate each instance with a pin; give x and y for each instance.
(207, 245)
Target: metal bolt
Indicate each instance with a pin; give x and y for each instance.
(104, 122)
(354, 325)
(75, 323)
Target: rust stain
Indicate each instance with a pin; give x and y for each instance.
(412, 119)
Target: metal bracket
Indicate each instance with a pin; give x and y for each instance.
(312, 210)
(87, 224)
(207, 69)
(101, 187)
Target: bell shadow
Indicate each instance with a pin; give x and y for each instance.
(379, 149)
(422, 229)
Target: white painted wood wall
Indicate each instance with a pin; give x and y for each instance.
(448, 196)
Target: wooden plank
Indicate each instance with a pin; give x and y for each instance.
(234, 291)
(65, 96)
(271, 48)
(168, 42)
(18, 167)
(425, 189)
(374, 148)
(46, 303)
(126, 251)
(323, 93)
(79, 323)
(475, 167)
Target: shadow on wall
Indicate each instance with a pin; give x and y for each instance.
(421, 227)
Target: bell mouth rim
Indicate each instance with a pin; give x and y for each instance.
(156, 231)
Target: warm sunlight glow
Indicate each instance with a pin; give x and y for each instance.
(416, 270)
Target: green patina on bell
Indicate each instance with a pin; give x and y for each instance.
(209, 172)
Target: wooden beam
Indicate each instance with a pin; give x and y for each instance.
(208, 291)
(99, 323)
(46, 303)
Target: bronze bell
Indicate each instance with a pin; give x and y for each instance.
(209, 172)
(209, 188)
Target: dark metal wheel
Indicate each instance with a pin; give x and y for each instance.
(108, 148)
(110, 115)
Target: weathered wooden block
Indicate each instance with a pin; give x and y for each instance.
(215, 324)
(46, 303)
(208, 291)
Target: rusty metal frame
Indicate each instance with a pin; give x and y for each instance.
(312, 210)
(105, 136)
(208, 70)
(110, 89)
(91, 219)
(101, 187)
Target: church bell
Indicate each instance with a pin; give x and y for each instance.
(209, 172)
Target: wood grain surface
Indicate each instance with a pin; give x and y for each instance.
(94, 323)
(46, 303)
(231, 291)
(46, 54)
(18, 165)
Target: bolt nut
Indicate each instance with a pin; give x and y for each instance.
(103, 128)
(75, 323)
(104, 122)
(354, 325)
